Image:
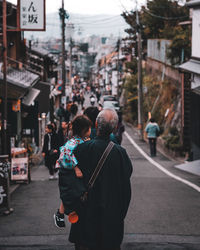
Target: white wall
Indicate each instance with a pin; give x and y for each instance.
(195, 82)
(157, 50)
(196, 33)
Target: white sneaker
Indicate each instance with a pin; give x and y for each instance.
(56, 176)
(51, 177)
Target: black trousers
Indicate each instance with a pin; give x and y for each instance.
(152, 145)
(50, 164)
(78, 247)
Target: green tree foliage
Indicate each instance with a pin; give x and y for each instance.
(180, 48)
(161, 16)
(131, 66)
(172, 141)
(130, 18)
(130, 108)
(161, 19)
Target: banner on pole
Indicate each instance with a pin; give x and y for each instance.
(32, 15)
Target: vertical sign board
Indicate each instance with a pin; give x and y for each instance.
(3, 190)
(4, 168)
(32, 15)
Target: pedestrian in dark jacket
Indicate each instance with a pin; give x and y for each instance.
(101, 223)
(92, 112)
(73, 111)
(82, 99)
(50, 150)
(120, 129)
(63, 133)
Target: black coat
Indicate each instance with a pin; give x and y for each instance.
(62, 138)
(51, 158)
(101, 220)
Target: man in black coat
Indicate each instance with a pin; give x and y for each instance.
(101, 219)
(50, 150)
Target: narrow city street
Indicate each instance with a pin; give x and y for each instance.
(138, 58)
(163, 213)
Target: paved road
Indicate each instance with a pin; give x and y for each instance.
(164, 213)
(160, 204)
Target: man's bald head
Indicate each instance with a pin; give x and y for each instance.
(107, 121)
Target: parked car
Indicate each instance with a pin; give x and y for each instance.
(111, 104)
(105, 98)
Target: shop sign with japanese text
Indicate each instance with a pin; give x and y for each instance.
(32, 15)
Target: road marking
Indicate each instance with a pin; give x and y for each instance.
(197, 188)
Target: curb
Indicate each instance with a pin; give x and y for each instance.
(160, 148)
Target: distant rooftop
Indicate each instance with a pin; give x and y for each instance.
(40, 50)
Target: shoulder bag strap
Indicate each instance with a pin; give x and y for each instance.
(100, 165)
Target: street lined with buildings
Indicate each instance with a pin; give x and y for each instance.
(149, 74)
(163, 213)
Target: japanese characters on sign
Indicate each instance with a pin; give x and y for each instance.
(32, 14)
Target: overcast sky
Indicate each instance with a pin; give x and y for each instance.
(92, 7)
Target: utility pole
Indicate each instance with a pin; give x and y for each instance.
(62, 16)
(70, 30)
(70, 61)
(118, 50)
(140, 88)
(5, 144)
(5, 148)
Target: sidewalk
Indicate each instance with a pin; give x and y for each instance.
(192, 167)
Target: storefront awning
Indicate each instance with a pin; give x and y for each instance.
(192, 66)
(18, 82)
(29, 98)
(13, 91)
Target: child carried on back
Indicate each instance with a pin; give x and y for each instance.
(81, 128)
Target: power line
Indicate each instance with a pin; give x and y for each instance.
(110, 24)
(102, 24)
(127, 12)
(107, 26)
(100, 20)
(89, 23)
(164, 18)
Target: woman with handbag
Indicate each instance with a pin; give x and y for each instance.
(50, 150)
